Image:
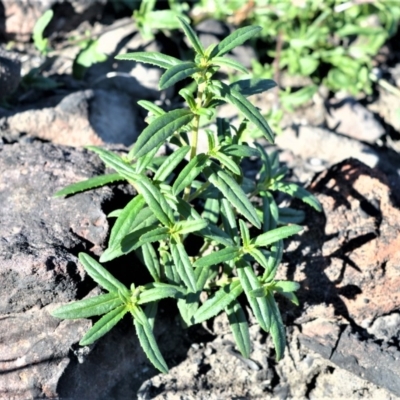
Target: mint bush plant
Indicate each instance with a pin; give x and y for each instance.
(240, 225)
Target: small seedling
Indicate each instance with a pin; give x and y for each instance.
(240, 225)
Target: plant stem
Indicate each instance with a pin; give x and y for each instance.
(195, 132)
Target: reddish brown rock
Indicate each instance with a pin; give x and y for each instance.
(348, 263)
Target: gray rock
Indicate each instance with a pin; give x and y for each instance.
(352, 119)
(10, 73)
(386, 328)
(80, 118)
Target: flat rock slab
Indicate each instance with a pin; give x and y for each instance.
(40, 237)
(348, 263)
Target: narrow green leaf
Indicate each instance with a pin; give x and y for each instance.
(191, 35)
(160, 130)
(227, 162)
(244, 231)
(211, 210)
(170, 163)
(146, 160)
(155, 235)
(190, 172)
(286, 286)
(259, 257)
(240, 327)
(86, 308)
(102, 276)
(157, 291)
(155, 200)
(149, 344)
(235, 39)
(274, 260)
(218, 257)
(188, 307)
(170, 270)
(265, 172)
(234, 193)
(273, 236)
(289, 215)
(151, 107)
(299, 192)
(183, 265)
(153, 58)
(214, 233)
(249, 87)
(177, 73)
(103, 325)
(150, 310)
(87, 184)
(277, 329)
(184, 227)
(132, 241)
(270, 212)
(149, 258)
(124, 223)
(229, 220)
(215, 304)
(238, 150)
(259, 305)
(116, 162)
(230, 63)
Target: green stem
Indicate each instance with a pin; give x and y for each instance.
(195, 132)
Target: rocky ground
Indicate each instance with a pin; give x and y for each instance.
(344, 338)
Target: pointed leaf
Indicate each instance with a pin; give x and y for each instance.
(155, 235)
(153, 58)
(149, 258)
(178, 73)
(221, 299)
(259, 257)
(273, 236)
(299, 192)
(187, 307)
(228, 62)
(104, 325)
(240, 327)
(171, 162)
(86, 308)
(258, 305)
(274, 260)
(191, 35)
(132, 241)
(227, 162)
(211, 210)
(217, 257)
(249, 87)
(190, 172)
(184, 227)
(244, 232)
(286, 286)
(277, 329)
(155, 200)
(183, 265)
(214, 233)
(151, 107)
(289, 215)
(150, 310)
(116, 162)
(239, 150)
(157, 291)
(102, 276)
(229, 220)
(235, 39)
(124, 223)
(90, 183)
(234, 193)
(160, 130)
(148, 342)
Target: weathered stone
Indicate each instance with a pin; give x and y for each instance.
(348, 259)
(10, 73)
(81, 118)
(21, 15)
(352, 119)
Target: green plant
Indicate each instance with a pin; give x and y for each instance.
(40, 42)
(332, 41)
(240, 225)
(148, 19)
